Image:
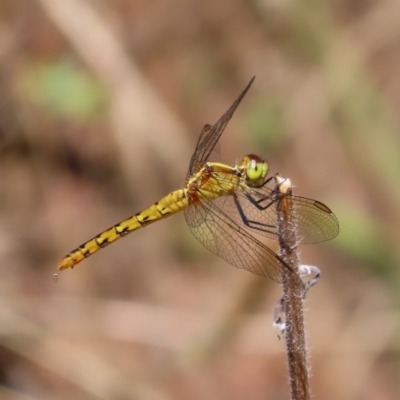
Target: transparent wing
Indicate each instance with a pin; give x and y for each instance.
(210, 135)
(223, 236)
(314, 221)
(256, 209)
(215, 154)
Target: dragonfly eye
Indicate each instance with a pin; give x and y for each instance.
(256, 169)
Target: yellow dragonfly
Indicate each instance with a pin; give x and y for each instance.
(223, 204)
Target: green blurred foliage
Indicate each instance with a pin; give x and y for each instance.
(75, 160)
(364, 239)
(63, 88)
(265, 123)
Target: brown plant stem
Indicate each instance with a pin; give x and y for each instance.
(293, 294)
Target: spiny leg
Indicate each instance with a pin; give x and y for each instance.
(257, 203)
(253, 224)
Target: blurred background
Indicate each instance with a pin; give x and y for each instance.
(101, 105)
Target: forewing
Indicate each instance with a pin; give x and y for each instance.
(210, 135)
(215, 154)
(314, 221)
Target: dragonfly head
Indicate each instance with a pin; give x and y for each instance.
(256, 169)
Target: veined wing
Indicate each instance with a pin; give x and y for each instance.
(314, 221)
(256, 209)
(210, 135)
(223, 236)
(214, 155)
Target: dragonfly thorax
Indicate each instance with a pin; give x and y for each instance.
(255, 169)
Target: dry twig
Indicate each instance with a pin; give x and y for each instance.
(293, 294)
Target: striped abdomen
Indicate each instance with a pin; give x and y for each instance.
(169, 205)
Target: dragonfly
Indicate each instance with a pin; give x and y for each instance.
(224, 206)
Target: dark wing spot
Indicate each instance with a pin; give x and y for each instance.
(322, 207)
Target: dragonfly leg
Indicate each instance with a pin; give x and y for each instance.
(253, 224)
(257, 203)
(272, 197)
(274, 193)
(267, 181)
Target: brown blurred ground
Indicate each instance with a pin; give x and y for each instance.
(101, 104)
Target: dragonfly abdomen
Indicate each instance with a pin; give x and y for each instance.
(168, 205)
